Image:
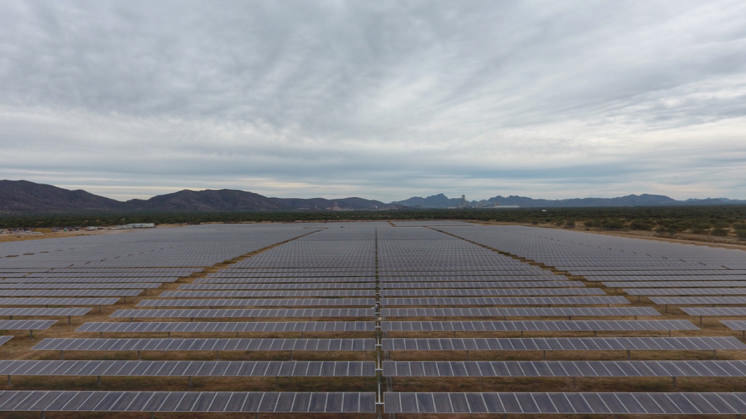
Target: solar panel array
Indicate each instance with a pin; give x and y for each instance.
(124, 368)
(371, 304)
(567, 403)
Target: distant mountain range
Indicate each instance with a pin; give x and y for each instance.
(23, 197)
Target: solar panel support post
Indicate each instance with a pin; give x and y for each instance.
(62, 354)
(10, 381)
(138, 355)
(629, 354)
(189, 382)
(98, 380)
(673, 382)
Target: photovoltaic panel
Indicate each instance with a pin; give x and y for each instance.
(685, 291)
(485, 284)
(477, 301)
(537, 325)
(26, 324)
(258, 302)
(203, 344)
(400, 292)
(75, 285)
(184, 401)
(567, 403)
(646, 368)
(225, 327)
(69, 293)
(564, 344)
(126, 368)
(264, 294)
(31, 301)
(714, 311)
(520, 312)
(673, 284)
(698, 300)
(734, 324)
(246, 313)
(5, 339)
(307, 286)
(44, 311)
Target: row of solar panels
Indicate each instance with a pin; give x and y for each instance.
(685, 291)
(41, 301)
(394, 344)
(567, 403)
(186, 401)
(26, 324)
(389, 326)
(646, 368)
(665, 277)
(160, 280)
(70, 293)
(205, 344)
(387, 301)
(126, 368)
(385, 292)
(77, 285)
(44, 311)
(663, 271)
(204, 283)
(564, 344)
(390, 312)
(698, 300)
(265, 402)
(225, 327)
(123, 368)
(673, 284)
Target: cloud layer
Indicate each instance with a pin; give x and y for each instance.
(378, 99)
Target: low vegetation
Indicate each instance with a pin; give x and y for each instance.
(722, 221)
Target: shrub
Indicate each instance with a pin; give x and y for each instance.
(717, 231)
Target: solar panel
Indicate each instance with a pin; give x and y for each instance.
(185, 401)
(477, 301)
(566, 403)
(126, 368)
(258, 302)
(246, 313)
(26, 324)
(485, 284)
(260, 294)
(203, 344)
(563, 344)
(69, 293)
(685, 291)
(5, 339)
(307, 286)
(45, 312)
(537, 325)
(58, 301)
(520, 312)
(75, 285)
(671, 284)
(698, 300)
(489, 291)
(225, 327)
(730, 324)
(646, 368)
(714, 311)
(160, 280)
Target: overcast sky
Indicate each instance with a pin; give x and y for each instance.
(375, 98)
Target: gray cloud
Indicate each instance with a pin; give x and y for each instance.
(381, 99)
